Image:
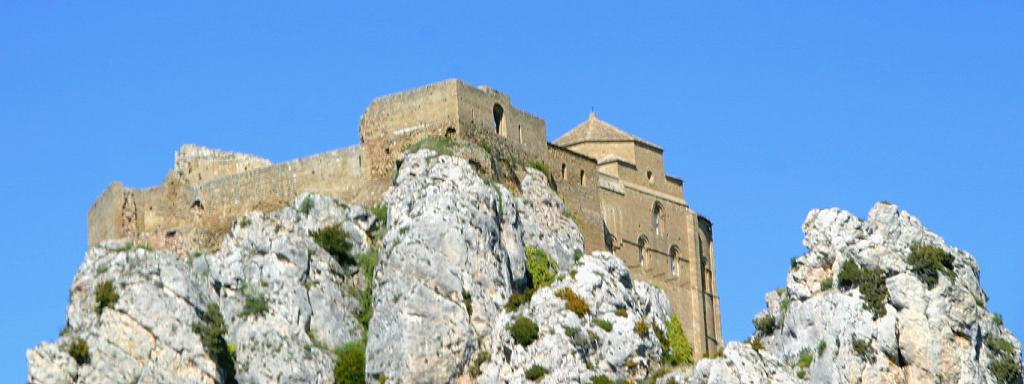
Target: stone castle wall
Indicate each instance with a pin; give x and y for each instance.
(182, 204)
(611, 189)
(576, 178)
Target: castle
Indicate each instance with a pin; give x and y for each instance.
(614, 184)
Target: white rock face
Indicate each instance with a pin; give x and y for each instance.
(574, 348)
(938, 334)
(147, 336)
(452, 256)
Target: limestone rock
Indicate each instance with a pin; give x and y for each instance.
(147, 335)
(450, 261)
(938, 334)
(573, 348)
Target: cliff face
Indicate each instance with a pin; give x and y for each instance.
(464, 279)
(876, 301)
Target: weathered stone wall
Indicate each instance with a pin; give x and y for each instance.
(393, 122)
(611, 188)
(197, 164)
(519, 133)
(176, 207)
(580, 195)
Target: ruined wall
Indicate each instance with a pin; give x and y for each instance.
(197, 164)
(178, 206)
(393, 122)
(519, 134)
(112, 216)
(581, 198)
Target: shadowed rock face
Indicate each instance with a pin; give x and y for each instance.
(451, 258)
(147, 335)
(937, 334)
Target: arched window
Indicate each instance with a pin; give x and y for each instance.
(650, 176)
(565, 172)
(520, 134)
(641, 245)
(499, 112)
(583, 177)
(656, 215)
(673, 260)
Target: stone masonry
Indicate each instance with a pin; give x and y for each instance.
(613, 183)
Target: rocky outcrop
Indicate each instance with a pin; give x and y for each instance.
(573, 347)
(453, 257)
(876, 301)
(283, 300)
(443, 292)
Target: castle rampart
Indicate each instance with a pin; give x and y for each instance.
(614, 186)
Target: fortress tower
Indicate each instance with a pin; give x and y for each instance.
(613, 183)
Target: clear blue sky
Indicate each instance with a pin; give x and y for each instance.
(767, 110)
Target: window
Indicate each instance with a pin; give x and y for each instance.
(650, 176)
(520, 134)
(583, 177)
(565, 172)
(673, 260)
(641, 245)
(499, 113)
(656, 214)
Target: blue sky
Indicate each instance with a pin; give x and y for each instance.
(766, 109)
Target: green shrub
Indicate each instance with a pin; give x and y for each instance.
(335, 241)
(864, 350)
(106, 296)
(641, 328)
(540, 267)
(381, 213)
(518, 299)
(367, 264)
(755, 343)
(1003, 365)
(603, 324)
(765, 324)
(467, 301)
(870, 281)
(602, 379)
(481, 358)
(680, 350)
(535, 373)
(350, 363)
(826, 284)
(524, 331)
(255, 302)
(805, 360)
(620, 312)
(443, 146)
(821, 347)
(306, 206)
(573, 302)
(793, 263)
(998, 319)
(784, 304)
(928, 261)
(211, 330)
(79, 351)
